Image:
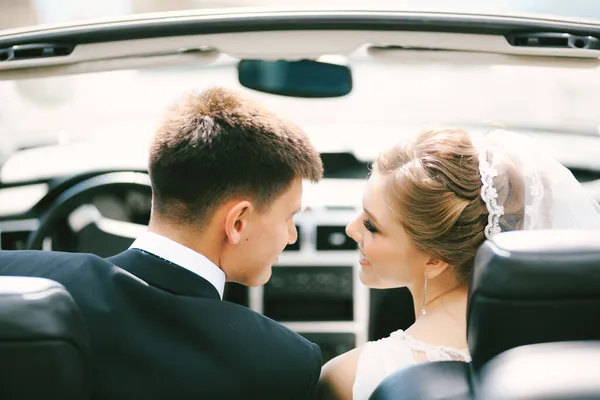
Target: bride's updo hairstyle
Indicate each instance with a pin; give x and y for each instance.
(434, 190)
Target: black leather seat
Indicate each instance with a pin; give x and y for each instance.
(534, 287)
(551, 371)
(43, 342)
(528, 287)
(447, 380)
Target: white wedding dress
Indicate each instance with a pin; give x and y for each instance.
(383, 357)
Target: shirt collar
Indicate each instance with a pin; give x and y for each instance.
(185, 257)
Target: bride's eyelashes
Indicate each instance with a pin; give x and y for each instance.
(369, 226)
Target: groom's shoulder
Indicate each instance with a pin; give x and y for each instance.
(282, 354)
(265, 330)
(29, 262)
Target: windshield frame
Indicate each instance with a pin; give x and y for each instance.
(235, 20)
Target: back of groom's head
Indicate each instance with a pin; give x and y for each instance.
(217, 145)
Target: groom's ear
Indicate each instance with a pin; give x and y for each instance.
(236, 221)
(435, 267)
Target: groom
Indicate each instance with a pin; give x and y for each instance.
(226, 180)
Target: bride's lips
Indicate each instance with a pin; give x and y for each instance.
(363, 259)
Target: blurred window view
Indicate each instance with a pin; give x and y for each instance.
(387, 102)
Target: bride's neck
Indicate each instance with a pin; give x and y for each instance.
(445, 322)
(449, 297)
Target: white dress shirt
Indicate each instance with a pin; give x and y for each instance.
(185, 257)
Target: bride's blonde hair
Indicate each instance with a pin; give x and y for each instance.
(435, 193)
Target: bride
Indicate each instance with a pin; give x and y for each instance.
(428, 206)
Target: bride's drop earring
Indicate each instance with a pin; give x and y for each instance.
(423, 311)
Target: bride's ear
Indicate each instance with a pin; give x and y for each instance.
(435, 267)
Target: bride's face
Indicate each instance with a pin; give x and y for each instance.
(387, 256)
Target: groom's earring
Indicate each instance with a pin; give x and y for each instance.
(423, 311)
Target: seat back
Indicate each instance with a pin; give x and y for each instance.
(557, 371)
(448, 380)
(534, 287)
(43, 341)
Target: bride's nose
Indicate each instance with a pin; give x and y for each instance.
(353, 231)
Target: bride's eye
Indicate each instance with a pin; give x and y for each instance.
(369, 226)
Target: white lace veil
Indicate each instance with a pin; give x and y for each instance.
(525, 187)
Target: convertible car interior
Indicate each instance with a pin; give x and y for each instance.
(546, 283)
(81, 100)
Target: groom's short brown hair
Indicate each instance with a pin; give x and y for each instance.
(218, 145)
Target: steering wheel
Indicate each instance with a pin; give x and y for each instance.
(111, 236)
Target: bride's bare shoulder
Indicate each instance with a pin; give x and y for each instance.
(337, 376)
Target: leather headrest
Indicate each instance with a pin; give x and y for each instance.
(43, 341)
(452, 381)
(533, 287)
(557, 371)
(38, 308)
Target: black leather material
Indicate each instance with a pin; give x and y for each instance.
(448, 380)
(550, 371)
(534, 287)
(43, 341)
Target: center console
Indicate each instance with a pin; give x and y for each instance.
(315, 289)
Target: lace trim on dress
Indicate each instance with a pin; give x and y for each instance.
(432, 353)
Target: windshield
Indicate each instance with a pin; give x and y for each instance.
(20, 13)
(388, 101)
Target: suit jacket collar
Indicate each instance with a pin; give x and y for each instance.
(164, 274)
(176, 253)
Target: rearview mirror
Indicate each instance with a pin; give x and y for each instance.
(305, 78)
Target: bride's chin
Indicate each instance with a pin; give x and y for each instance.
(369, 280)
(364, 279)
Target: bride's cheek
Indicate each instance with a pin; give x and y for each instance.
(370, 250)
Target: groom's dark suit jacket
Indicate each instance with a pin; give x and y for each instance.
(159, 331)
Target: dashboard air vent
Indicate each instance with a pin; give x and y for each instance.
(333, 237)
